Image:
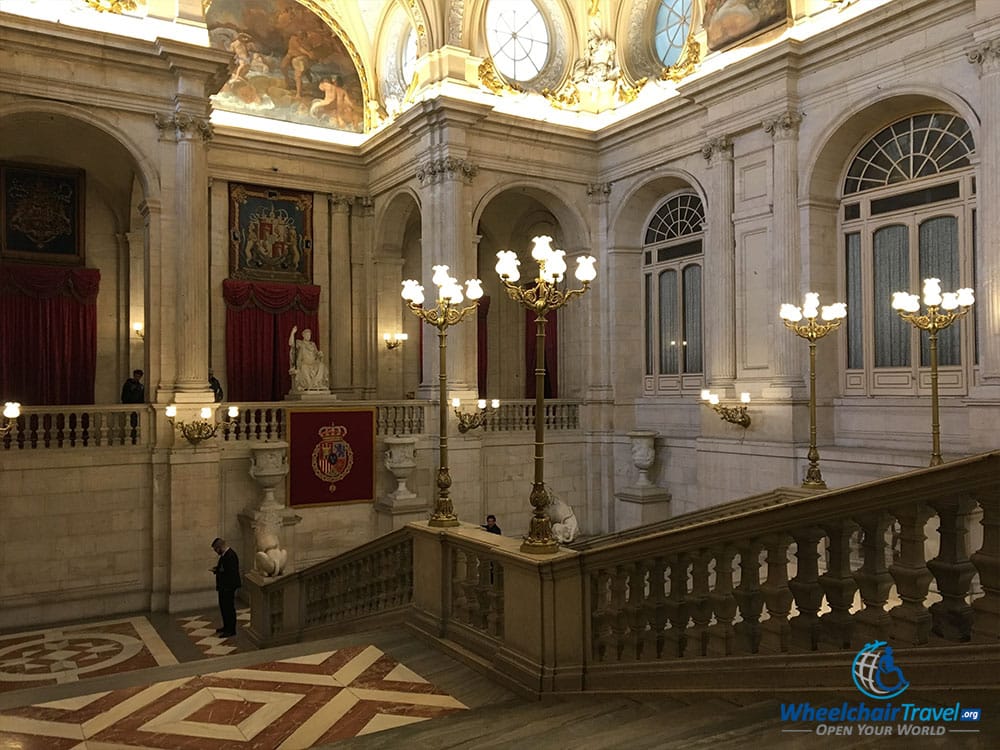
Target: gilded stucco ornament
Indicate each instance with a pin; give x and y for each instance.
(490, 80)
(112, 6)
(596, 82)
(686, 63)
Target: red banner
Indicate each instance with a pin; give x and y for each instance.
(331, 456)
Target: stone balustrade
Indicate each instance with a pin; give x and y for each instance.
(371, 583)
(79, 427)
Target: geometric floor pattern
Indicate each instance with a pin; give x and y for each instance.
(69, 653)
(291, 704)
(201, 630)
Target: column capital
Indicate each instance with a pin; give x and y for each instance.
(182, 126)
(340, 203)
(720, 147)
(784, 126)
(986, 56)
(598, 192)
(366, 204)
(446, 168)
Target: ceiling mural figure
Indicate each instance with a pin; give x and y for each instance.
(287, 64)
(730, 21)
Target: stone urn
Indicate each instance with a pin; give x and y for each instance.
(269, 467)
(643, 454)
(399, 459)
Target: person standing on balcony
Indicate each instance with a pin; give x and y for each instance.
(216, 386)
(133, 391)
(491, 524)
(227, 580)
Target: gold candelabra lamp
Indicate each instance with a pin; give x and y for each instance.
(470, 420)
(205, 428)
(943, 309)
(544, 295)
(803, 322)
(11, 411)
(394, 340)
(733, 414)
(444, 314)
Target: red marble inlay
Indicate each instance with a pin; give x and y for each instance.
(21, 741)
(223, 711)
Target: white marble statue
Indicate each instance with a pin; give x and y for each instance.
(306, 365)
(564, 526)
(270, 558)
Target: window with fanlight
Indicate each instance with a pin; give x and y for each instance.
(518, 39)
(907, 213)
(672, 257)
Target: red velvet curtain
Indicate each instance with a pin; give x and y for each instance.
(482, 344)
(48, 334)
(551, 352)
(259, 318)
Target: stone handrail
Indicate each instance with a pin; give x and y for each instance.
(79, 427)
(369, 584)
(816, 574)
(267, 420)
(512, 416)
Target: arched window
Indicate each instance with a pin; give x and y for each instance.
(670, 29)
(517, 38)
(671, 259)
(907, 214)
(408, 56)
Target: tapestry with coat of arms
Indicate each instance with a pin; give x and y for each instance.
(331, 456)
(270, 234)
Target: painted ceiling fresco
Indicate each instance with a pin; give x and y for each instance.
(287, 64)
(729, 22)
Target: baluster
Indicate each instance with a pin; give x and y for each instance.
(483, 589)
(634, 609)
(600, 614)
(619, 622)
(678, 611)
(777, 595)
(494, 618)
(911, 622)
(749, 597)
(806, 589)
(839, 585)
(655, 606)
(102, 429)
(874, 581)
(458, 604)
(471, 583)
(700, 603)
(986, 625)
(951, 618)
(722, 635)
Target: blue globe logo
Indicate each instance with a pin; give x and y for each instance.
(876, 674)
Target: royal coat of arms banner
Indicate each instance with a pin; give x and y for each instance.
(270, 234)
(331, 456)
(41, 212)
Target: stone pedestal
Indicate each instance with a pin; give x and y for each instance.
(311, 397)
(273, 545)
(401, 506)
(643, 502)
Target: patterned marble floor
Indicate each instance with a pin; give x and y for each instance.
(70, 653)
(287, 704)
(200, 629)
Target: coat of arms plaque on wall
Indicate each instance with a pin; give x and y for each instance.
(270, 234)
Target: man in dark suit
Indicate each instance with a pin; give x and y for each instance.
(227, 580)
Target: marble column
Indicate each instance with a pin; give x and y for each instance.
(720, 266)
(986, 57)
(190, 221)
(339, 286)
(363, 302)
(784, 130)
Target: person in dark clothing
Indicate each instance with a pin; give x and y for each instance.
(216, 386)
(133, 391)
(491, 524)
(227, 580)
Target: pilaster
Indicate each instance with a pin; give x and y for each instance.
(339, 286)
(784, 131)
(720, 266)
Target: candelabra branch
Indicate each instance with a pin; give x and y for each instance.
(471, 420)
(733, 414)
(199, 430)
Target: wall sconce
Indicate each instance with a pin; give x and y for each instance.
(473, 419)
(202, 429)
(732, 414)
(11, 410)
(393, 340)
(139, 330)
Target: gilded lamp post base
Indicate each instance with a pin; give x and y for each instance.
(443, 520)
(540, 540)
